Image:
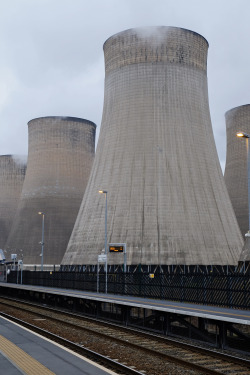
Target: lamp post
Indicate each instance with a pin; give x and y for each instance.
(42, 243)
(106, 245)
(247, 136)
(21, 265)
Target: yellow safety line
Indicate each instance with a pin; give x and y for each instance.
(85, 359)
(21, 359)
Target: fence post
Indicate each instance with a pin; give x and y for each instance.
(244, 291)
(182, 289)
(229, 291)
(204, 289)
(161, 276)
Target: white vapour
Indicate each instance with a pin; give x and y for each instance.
(158, 33)
(20, 159)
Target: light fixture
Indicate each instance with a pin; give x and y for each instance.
(243, 135)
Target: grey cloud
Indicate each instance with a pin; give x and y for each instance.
(52, 60)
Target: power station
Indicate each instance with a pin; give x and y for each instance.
(143, 233)
(156, 160)
(60, 156)
(12, 173)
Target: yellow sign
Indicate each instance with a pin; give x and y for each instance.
(116, 249)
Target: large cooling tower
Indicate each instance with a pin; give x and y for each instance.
(61, 153)
(156, 158)
(12, 173)
(238, 120)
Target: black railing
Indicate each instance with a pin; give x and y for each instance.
(222, 290)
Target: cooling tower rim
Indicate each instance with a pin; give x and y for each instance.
(236, 109)
(155, 27)
(64, 118)
(20, 160)
(14, 156)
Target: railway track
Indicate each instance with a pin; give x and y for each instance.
(94, 356)
(157, 350)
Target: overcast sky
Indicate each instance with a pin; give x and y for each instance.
(52, 60)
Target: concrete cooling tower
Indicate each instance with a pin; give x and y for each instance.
(12, 173)
(60, 157)
(156, 158)
(238, 120)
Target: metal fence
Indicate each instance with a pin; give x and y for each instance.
(208, 289)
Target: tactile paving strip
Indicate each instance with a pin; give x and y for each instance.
(21, 359)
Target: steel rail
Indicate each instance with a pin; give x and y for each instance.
(165, 340)
(168, 357)
(90, 354)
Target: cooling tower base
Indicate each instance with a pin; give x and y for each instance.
(156, 269)
(245, 254)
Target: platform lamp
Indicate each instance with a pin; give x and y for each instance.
(42, 242)
(106, 245)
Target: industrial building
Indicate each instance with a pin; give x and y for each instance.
(156, 159)
(60, 156)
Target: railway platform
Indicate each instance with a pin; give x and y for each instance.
(218, 326)
(25, 352)
(190, 309)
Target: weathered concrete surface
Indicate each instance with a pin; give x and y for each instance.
(157, 158)
(236, 175)
(238, 120)
(61, 153)
(245, 254)
(12, 173)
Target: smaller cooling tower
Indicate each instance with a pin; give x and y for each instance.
(12, 173)
(60, 157)
(238, 120)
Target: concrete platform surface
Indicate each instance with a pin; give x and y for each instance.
(24, 352)
(204, 311)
